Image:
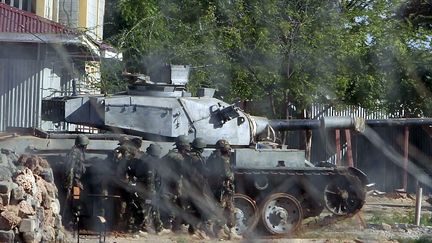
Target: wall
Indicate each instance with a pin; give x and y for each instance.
(29, 73)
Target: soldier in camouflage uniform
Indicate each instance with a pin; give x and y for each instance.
(75, 162)
(74, 170)
(171, 174)
(221, 181)
(146, 178)
(198, 196)
(137, 142)
(125, 156)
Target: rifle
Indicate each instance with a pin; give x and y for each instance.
(227, 188)
(69, 184)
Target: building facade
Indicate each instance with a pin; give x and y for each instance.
(85, 15)
(40, 58)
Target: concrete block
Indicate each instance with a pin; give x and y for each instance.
(27, 225)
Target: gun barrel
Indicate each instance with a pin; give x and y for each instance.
(302, 124)
(399, 122)
(294, 124)
(344, 123)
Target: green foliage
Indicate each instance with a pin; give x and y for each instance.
(401, 218)
(368, 53)
(422, 239)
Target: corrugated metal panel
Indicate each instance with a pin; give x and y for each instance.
(318, 110)
(19, 21)
(20, 93)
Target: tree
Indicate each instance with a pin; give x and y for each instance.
(356, 52)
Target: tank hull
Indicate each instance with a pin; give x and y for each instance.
(258, 181)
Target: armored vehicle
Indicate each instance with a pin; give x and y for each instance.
(274, 185)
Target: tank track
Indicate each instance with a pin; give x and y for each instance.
(349, 180)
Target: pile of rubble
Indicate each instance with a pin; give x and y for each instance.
(29, 205)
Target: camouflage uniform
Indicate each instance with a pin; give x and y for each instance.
(74, 170)
(221, 180)
(171, 187)
(146, 177)
(198, 194)
(124, 158)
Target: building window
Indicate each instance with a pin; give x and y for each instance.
(26, 5)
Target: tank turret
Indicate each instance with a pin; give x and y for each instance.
(163, 110)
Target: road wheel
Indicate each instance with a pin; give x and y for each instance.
(281, 214)
(246, 214)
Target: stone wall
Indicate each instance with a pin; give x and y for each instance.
(29, 205)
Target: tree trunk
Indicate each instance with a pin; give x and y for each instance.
(272, 104)
(308, 138)
(284, 134)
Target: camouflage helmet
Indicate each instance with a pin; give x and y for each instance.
(182, 140)
(127, 151)
(122, 140)
(154, 150)
(137, 142)
(198, 143)
(222, 143)
(82, 140)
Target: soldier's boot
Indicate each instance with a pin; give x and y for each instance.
(201, 235)
(163, 232)
(176, 224)
(208, 228)
(222, 234)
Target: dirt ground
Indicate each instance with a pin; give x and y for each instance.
(384, 218)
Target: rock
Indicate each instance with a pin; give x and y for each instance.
(49, 219)
(5, 187)
(26, 179)
(44, 164)
(29, 205)
(58, 221)
(51, 190)
(25, 209)
(33, 201)
(27, 225)
(33, 237)
(55, 206)
(47, 175)
(5, 199)
(17, 194)
(386, 227)
(7, 236)
(61, 236)
(21, 160)
(42, 193)
(5, 173)
(40, 214)
(48, 234)
(9, 219)
(7, 159)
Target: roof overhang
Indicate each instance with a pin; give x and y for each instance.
(92, 48)
(40, 38)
